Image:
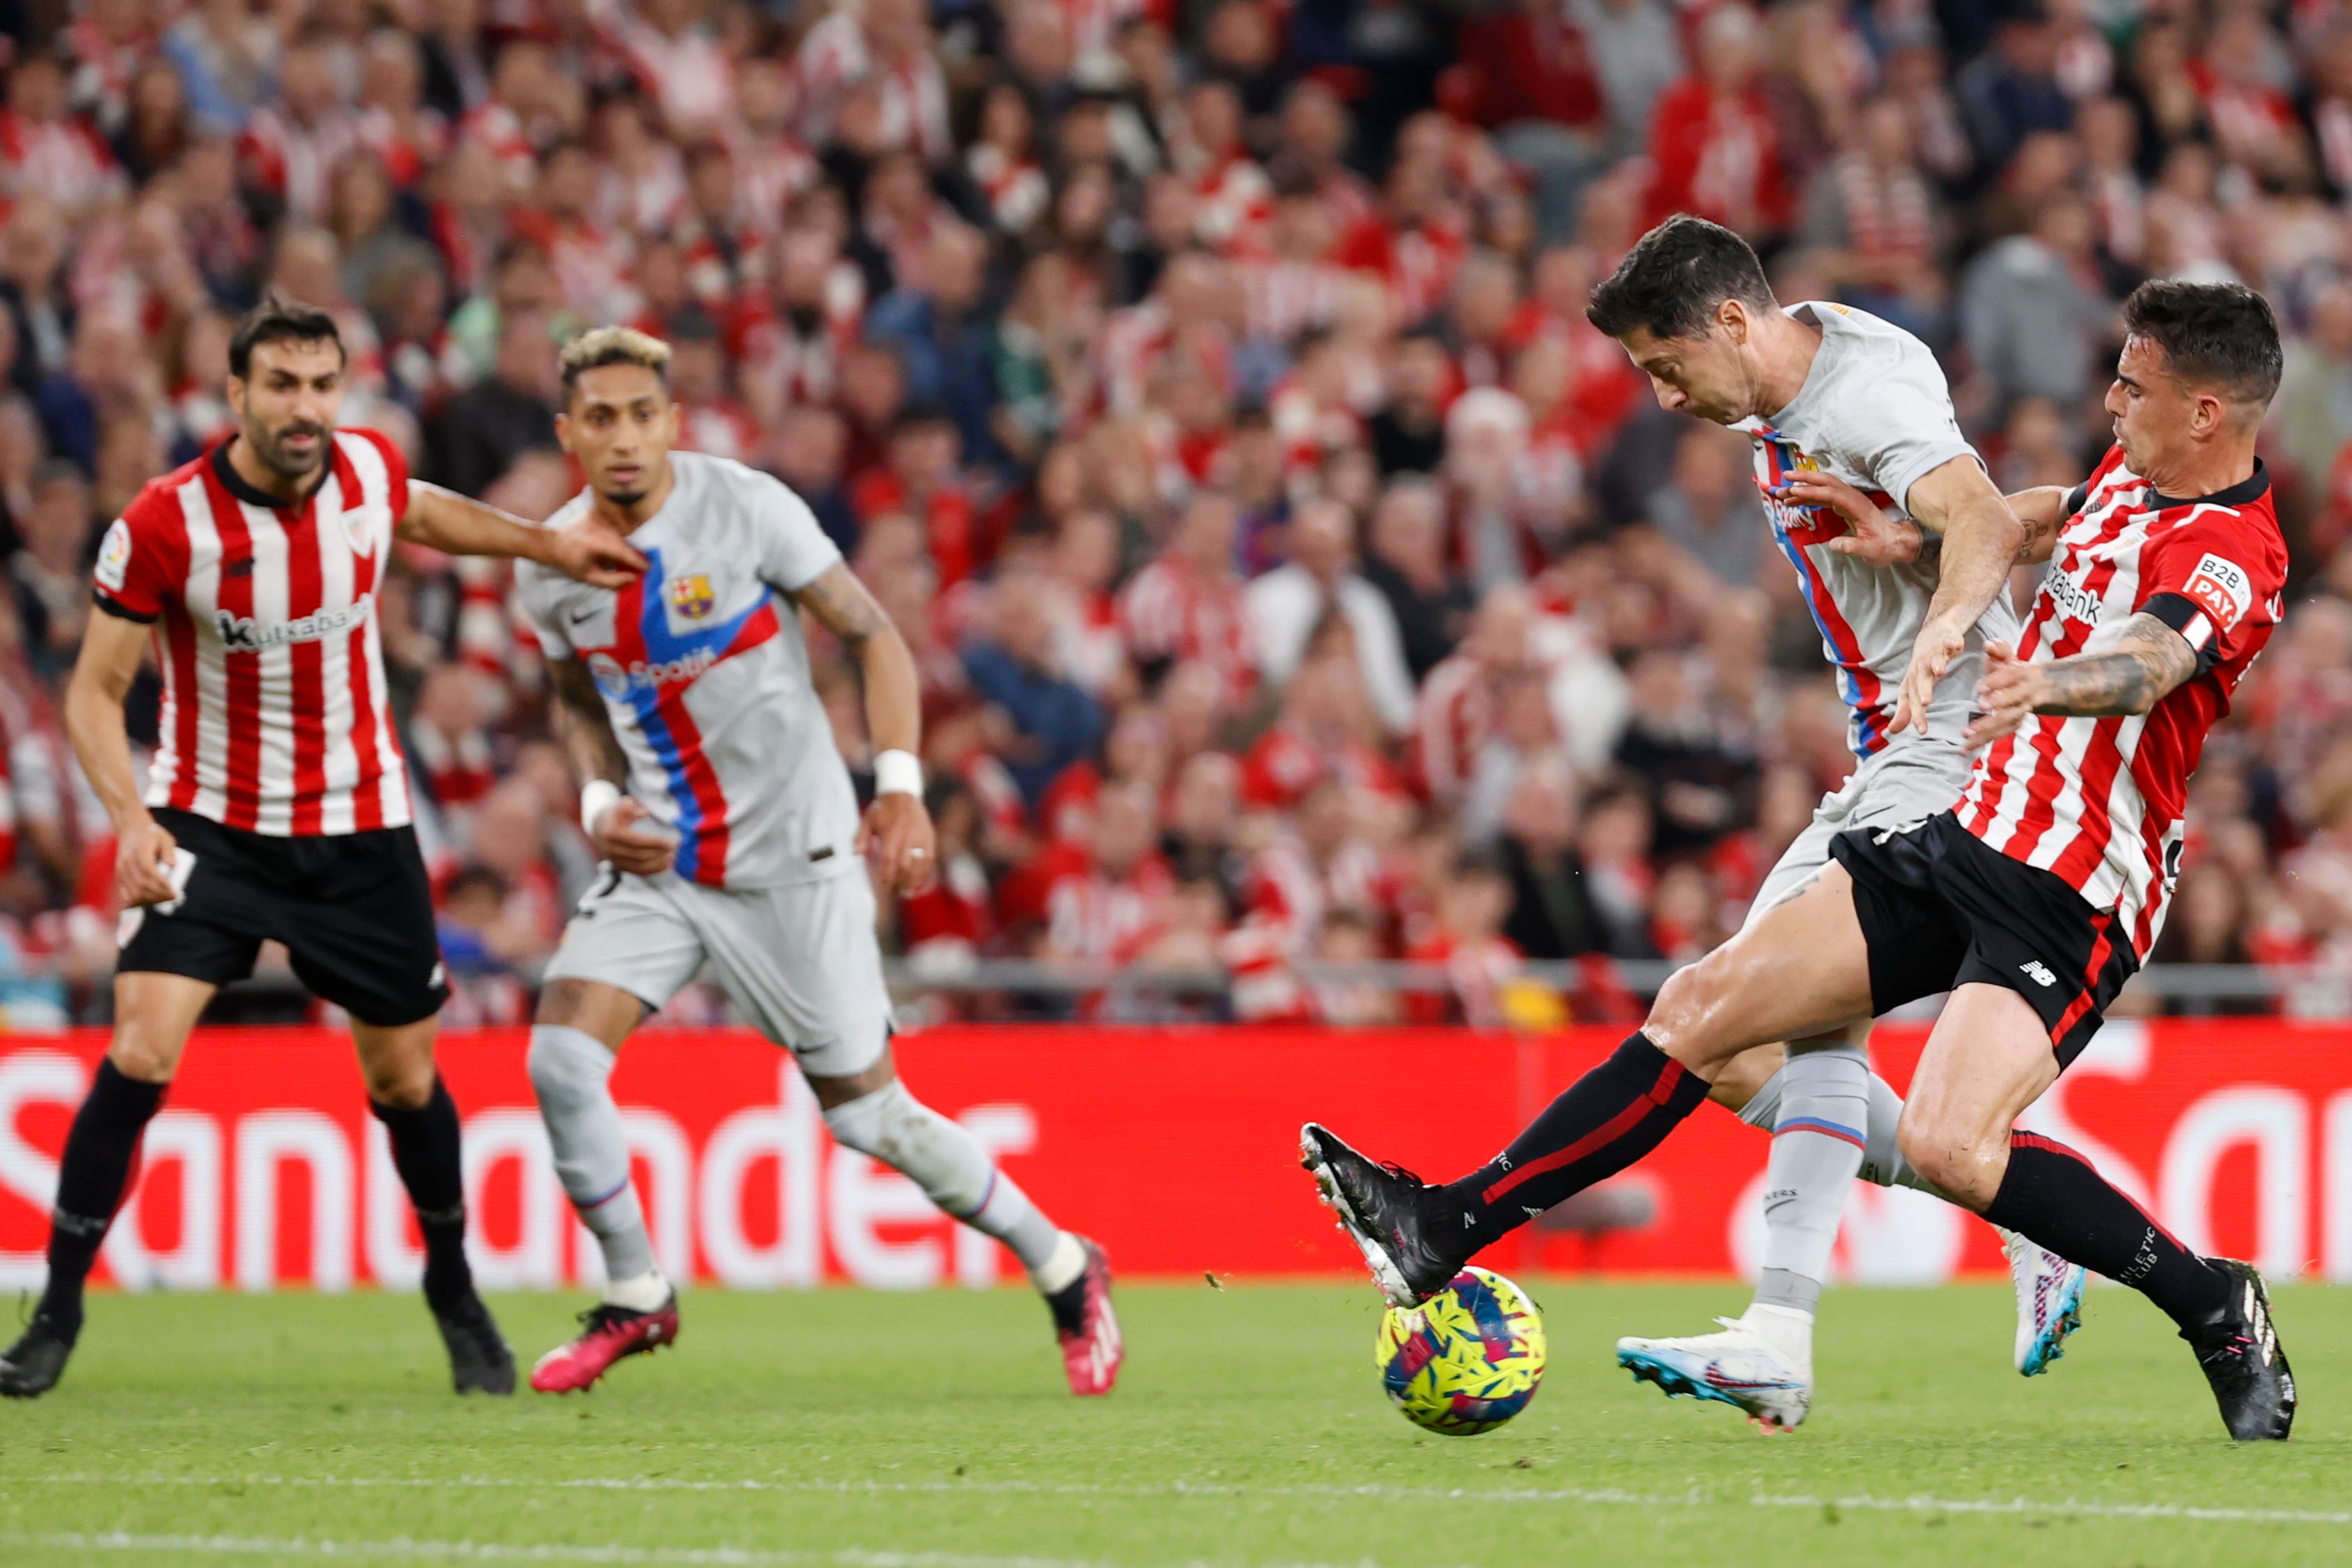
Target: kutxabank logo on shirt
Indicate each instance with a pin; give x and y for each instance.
(243, 633)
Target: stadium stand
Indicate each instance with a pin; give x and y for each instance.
(1296, 577)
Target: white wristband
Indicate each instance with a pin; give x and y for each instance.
(898, 773)
(596, 797)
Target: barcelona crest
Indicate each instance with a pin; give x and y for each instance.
(691, 596)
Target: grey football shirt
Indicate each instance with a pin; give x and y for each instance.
(1876, 411)
(705, 675)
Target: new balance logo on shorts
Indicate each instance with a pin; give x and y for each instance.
(2038, 971)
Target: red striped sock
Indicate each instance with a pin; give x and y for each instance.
(2056, 1197)
(1602, 1124)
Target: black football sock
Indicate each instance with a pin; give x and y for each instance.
(2055, 1196)
(100, 1151)
(1603, 1123)
(424, 1150)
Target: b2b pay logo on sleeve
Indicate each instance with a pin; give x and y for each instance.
(2223, 590)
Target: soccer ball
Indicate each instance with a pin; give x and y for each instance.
(1466, 1360)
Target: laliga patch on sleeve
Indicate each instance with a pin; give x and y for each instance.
(2223, 590)
(114, 555)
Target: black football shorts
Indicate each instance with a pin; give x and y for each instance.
(354, 910)
(1939, 908)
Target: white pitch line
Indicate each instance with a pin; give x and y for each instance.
(506, 1552)
(1370, 1493)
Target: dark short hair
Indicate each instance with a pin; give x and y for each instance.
(1674, 279)
(2216, 335)
(280, 320)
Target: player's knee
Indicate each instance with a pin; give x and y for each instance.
(567, 1066)
(908, 1136)
(401, 1085)
(886, 1122)
(1683, 1020)
(1949, 1152)
(586, 1005)
(144, 1055)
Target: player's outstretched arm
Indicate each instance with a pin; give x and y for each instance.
(589, 549)
(1981, 537)
(1881, 538)
(608, 816)
(2132, 675)
(111, 651)
(897, 827)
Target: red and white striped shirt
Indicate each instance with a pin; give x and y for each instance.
(1283, 296)
(1173, 609)
(63, 159)
(2100, 801)
(277, 717)
(297, 162)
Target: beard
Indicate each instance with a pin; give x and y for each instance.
(269, 446)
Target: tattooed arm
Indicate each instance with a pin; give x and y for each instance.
(2130, 675)
(585, 727)
(2042, 510)
(837, 601)
(896, 823)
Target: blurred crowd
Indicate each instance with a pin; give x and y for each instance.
(1203, 388)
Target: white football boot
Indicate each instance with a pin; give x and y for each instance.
(2049, 1302)
(1735, 1367)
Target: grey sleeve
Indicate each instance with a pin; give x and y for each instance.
(1905, 433)
(792, 548)
(533, 592)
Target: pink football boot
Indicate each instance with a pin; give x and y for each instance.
(608, 1333)
(1091, 1354)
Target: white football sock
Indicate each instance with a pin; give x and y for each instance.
(640, 1293)
(1883, 1164)
(1061, 1270)
(1817, 1147)
(950, 1166)
(1788, 1329)
(571, 1072)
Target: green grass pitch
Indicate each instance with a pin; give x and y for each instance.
(932, 1431)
